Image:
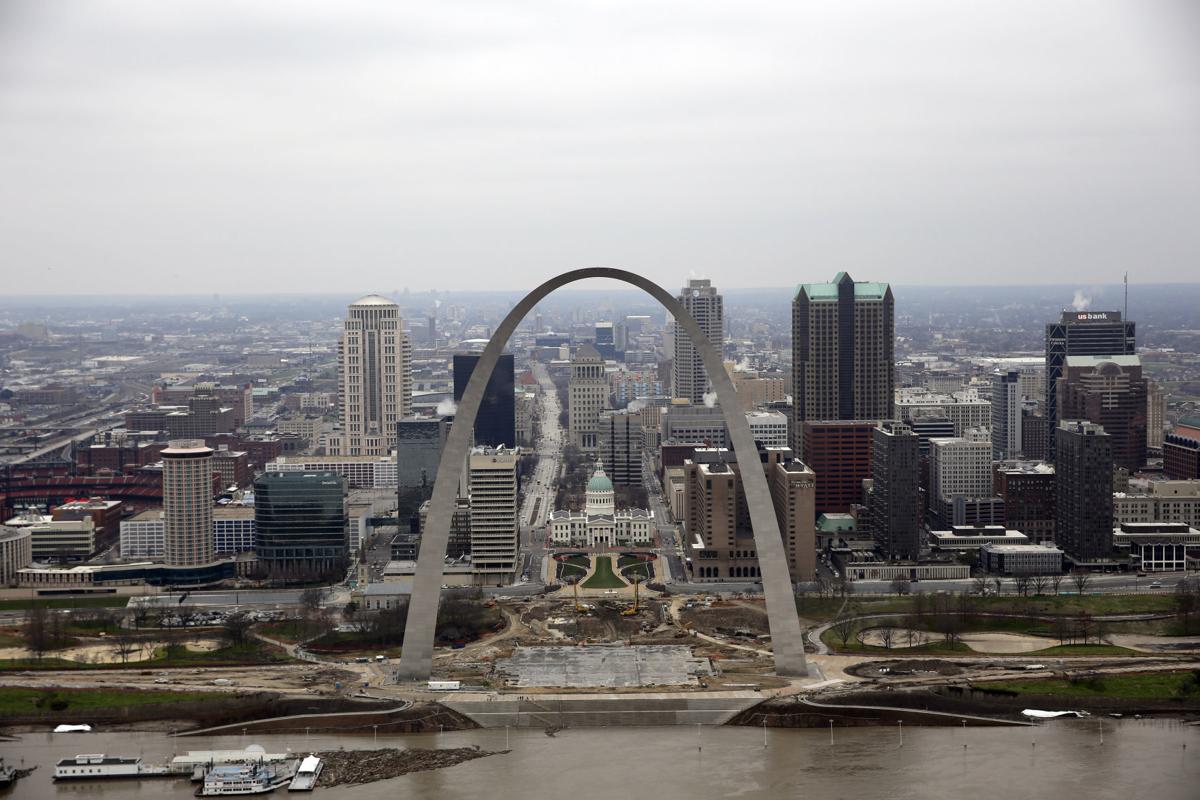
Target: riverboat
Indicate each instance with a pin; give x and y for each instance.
(98, 766)
(229, 779)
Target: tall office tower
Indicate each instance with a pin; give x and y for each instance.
(1033, 435)
(606, 341)
(716, 513)
(620, 443)
(587, 396)
(688, 378)
(300, 524)
(1080, 333)
(374, 377)
(1006, 414)
(841, 458)
(1111, 392)
(496, 422)
(892, 503)
(843, 348)
(492, 482)
(1084, 498)
(187, 503)
(959, 467)
(419, 443)
(1028, 491)
(1156, 415)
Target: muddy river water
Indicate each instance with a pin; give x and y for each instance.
(1061, 760)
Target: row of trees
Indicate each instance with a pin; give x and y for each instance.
(948, 616)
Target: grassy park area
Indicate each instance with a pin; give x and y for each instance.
(1144, 685)
(603, 578)
(14, 700)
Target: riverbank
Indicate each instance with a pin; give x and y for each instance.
(136, 709)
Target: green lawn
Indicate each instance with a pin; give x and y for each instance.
(105, 601)
(573, 567)
(631, 567)
(603, 577)
(18, 700)
(1142, 685)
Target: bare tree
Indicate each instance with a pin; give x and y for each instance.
(124, 646)
(979, 584)
(310, 599)
(1022, 585)
(1187, 605)
(236, 628)
(141, 615)
(998, 585)
(1039, 584)
(1082, 580)
(1056, 582)
(886, 635)
(843, 628)
(37, 631)
(901, 585)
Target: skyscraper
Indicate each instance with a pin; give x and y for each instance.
(496, 422)
(620, 444)
(1111, 392)
(843, 348)
(688, 378)
(492, 478)
(1080, 333)
(187, 503)
(374, 377)
(419, 443)
(1083, 470)
(895, 480)
(300, 524)
(587, 396)
(1006, 414)
(1156, 414)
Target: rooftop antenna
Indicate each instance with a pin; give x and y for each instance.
(1126, 316)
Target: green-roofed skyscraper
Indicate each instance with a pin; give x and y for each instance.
(843, 349)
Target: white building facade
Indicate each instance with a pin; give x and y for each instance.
(600, 524)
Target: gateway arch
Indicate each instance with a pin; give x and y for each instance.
(416, 657)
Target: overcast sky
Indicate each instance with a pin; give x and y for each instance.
(256, 146)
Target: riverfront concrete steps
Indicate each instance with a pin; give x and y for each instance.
(601, 710)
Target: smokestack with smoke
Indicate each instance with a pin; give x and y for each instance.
(710, 399)
(635, 405)
(1082, 301)
(447, 408)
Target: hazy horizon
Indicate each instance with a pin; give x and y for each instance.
(220, 147)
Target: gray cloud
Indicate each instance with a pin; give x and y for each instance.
(190, 146)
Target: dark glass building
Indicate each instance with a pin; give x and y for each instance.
(892, 504)
(1083, 470)
(419, 443)
(496, 423)
(1080, 333)
(300, 524)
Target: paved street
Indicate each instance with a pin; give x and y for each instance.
(540, 487)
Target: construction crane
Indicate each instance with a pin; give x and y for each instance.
(631, 612)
